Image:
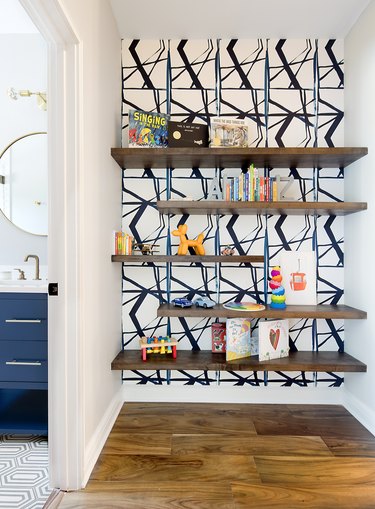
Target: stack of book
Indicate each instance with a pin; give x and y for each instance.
(251, 187)
(123, 243)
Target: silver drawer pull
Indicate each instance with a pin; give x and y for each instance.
(16, 320)
(23, 363)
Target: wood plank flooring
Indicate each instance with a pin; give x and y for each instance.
(218, 456)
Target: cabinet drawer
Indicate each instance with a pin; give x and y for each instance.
(23, 318)
(23, 361)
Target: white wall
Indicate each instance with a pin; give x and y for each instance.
(99, 187)
(359, 228)
(23, 66)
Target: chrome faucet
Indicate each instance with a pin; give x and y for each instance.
(36, 257)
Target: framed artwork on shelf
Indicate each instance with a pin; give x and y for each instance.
(298, 269)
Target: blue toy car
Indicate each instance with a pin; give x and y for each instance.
(182, 302)
(204, 302)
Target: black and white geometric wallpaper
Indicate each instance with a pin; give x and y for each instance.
(291, 94)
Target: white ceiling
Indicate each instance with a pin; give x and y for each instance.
(14, 20)
(197, 19)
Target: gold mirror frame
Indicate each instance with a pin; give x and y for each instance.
(1, 155)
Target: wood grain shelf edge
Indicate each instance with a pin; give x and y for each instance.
(274, 157)
(261, 208)
(208, 361)
(322, 311)
(187, 259)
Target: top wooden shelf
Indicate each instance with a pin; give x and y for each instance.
(259, 207)
(276, 157)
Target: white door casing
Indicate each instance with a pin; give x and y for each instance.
(66, 369)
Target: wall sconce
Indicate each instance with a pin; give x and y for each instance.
(41, 97)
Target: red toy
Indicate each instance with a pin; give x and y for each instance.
(218, 336)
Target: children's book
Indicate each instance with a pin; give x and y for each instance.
(228, 132)
(148, 129)
(238, 338)
(184, 134)
(254, 344)
(273, 339)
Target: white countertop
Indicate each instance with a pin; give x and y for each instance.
(27, 286)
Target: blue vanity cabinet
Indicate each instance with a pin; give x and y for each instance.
(23, 363)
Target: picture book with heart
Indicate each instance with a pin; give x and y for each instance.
(273, 339)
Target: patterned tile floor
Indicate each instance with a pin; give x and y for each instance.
(23, 472)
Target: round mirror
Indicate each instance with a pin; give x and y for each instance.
(24, 184)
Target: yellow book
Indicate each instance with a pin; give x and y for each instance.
(119, 242)
(123, 246)
(240, 187)
(274, 190)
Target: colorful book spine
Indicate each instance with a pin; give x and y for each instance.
(271, 189)
(232, 189)
(240, 187)
(261, 188)
(235, 198)
(251, 191)
(256, 185)
(275, 190)
(250, 186)
(227, 191)
(123, 243)
(246, 184)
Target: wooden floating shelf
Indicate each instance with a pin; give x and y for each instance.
(208, 361)
(187, 259)
(263, 208)
(324, 311)
(276, 157)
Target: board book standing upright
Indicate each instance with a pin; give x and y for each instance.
(148, 129)
(273, 339)
(228, 132)
(238, 338)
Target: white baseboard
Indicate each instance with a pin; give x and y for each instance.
(360, 411)
(245, 394)
(100, 436)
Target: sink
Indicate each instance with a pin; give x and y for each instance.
(23, 282)
(19, 285)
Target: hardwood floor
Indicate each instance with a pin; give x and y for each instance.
(213, 456)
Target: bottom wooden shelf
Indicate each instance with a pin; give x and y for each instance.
(206, 360)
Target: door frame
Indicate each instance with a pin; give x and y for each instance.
(66, 368)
